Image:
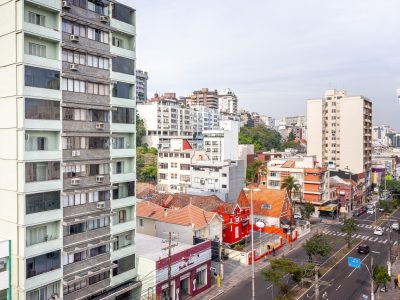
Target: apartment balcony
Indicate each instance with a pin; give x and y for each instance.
(117, 76)
(42, 62)
(122, 227)
(121, 127)
(123, 102)
(123, 202)
(87, 208)
(123, 177)
(123, 252)
(36, 124)
(42, 155)
(130, 152)
(51, 4)
(86, 99)
(43, 279)
(89, 290)
(122, 26)
(46, 32)
(86, 72)
(86, 236)
(86, 154)
(43, 217)
(124, 277)
(86, 16)
(34, 92)
(39, 186)
(48, 246)
(72, 183)
(84, 43)
(118, 51)
(100, 127)
(86, 264)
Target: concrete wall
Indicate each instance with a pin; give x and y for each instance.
(314, 128)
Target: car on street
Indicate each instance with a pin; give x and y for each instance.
(395, 226)
(363, 249)
(378, 231)
(381, 209)
(297, 216)
(370, 211)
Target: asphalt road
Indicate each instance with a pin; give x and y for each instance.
(345, 283)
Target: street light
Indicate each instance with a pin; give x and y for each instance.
(261, 225)
(252, 238)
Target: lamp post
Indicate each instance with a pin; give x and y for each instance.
(252, 238)
(261, 225)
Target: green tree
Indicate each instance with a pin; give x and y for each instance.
(380, 276)
(140, 130)
(252, 171)
(262, 138)
(307, 210)
(349, 227)
(317, 245)
(291, 137)
(291, 186)
(146, 164)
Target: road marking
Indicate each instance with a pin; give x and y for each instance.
(383, 242)
(365, 237)
(338, 287)
(373, 239)
(357, 268)
(358, 236)
(368, 226)
(376, 252)
(353, 236)
(395, 243)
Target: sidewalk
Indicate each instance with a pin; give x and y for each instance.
(392, 293)
(235, 272)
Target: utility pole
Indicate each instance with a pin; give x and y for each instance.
(389, 259)
(316, 282)
(169, 248)
(372, 279)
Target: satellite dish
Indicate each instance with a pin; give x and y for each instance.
(260, 224)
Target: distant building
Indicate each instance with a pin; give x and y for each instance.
(295, 121)
(246, 119)
(340, 131)
(228, 102)
(268, 121)
(5, 269)
(141, 85)
(381, 136)
(204, 97)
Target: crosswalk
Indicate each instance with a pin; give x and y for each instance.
(363, 237)
(367, 226)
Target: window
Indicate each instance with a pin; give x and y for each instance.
(119, 167)
(3, 264)
(44, 292)
(42, 109)
(266, 206)
(162, 176)
(174, 176)
(42, 78)
(185, 167)
(42, 202)
(73, 85)
(98, 89)
(98, 7)
(99, 142)
(76, 228)
(97, 35)
(163, 166)
(74, 199)
(37, 19)
(185, 178)
(98, 62)
(123, 13)
(73, 28)
(118, 143)
(274, 183)
(75, 114)
(123, 65)
(99, 277)
(99, 250)
(117, 42)
(124, 264)
(123, 115)
(42, 264)
(96, 115)
(74, 171)
(201, 278)
(122, 90)
(123, 190)
(141, 223)
(123, 240)
(98, 223)
(74, 143)
(42, 171)
(99, 169)
(75, 257)
(122, 216)
(37, 50)
(74, 57)
(224, 186)
(174, 165)
(35, 143)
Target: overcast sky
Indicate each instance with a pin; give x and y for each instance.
(274, 54)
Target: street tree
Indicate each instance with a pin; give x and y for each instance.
(317, 245)
(380, 276)
(291, 185)
(307, 210)
(349, 227)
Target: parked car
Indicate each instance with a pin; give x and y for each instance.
(395, 226)
(363, 249)
(297, 216)
(381, 209)
(356, 213)
(370, 211)
(378, 231)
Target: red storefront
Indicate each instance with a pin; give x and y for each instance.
(235, 224)
(190, 272)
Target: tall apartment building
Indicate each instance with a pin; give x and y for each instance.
(203, 97)
(339, 131)
(382, 135)
(141, 85)
(228, 102)
(68, 167)
(204, 118)
(5, 269)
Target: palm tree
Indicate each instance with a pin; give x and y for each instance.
(291, 186)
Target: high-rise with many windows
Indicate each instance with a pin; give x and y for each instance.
(67, 160)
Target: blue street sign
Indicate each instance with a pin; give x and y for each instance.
(354, 262)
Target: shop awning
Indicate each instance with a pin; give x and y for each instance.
(331, 207)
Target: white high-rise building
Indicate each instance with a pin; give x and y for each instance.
(67, 164)
(228, 102)
(340, 131)
(380, 136)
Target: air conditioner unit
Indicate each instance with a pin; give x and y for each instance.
(73, 67)
(101, 205)
(104, 19)
(66, 4)
(100, 178)
(74, 38)
(76, 153)
(75, 181)
(99, 125)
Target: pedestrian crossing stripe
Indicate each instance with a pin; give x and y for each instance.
(359, 236)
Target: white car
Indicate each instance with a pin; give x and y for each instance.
(297, 216)
(370, 212)
(378, 231)
(395, 226)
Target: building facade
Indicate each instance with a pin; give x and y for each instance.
(203, 97)
(141, 85)
(5, 270)
(381, 136)
(228, 102)
(339, 131)
(68, 114)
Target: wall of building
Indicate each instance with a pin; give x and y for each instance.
(149, 226)
(314, 127)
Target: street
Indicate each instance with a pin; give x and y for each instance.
(345, 282)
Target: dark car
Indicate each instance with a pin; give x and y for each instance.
(363, 249)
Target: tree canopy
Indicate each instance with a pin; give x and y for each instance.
(349, 227)
(262, 138)
(140, 130)
(146, 164)
(317, 245)
(307, 210)
(380, 275)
